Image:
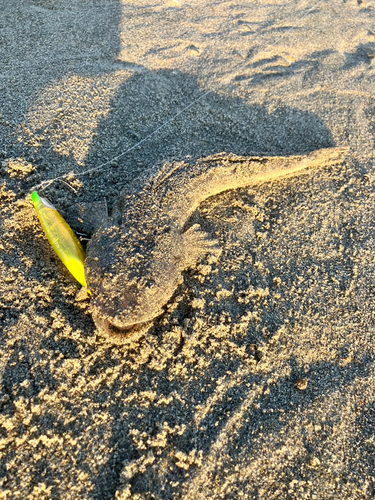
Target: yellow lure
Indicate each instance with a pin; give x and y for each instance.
(61, 237)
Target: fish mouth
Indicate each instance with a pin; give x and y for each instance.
(104, 312)
(107, 326)
(120, 334)
(120, 317)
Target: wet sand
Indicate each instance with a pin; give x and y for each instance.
(258, 380)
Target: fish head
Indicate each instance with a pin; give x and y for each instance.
(131, 276)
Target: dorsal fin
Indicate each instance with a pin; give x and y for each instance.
(167, 170)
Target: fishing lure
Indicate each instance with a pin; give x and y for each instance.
(61, 237)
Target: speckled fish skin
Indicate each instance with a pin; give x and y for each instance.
(136, 257)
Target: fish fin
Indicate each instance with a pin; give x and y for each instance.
(198, 244)
(87, 217)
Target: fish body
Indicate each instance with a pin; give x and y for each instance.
(136, 257)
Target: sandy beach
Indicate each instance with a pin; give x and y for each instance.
(257, 382)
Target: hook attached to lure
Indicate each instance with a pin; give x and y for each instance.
(61, 237)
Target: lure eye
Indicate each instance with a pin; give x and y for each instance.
(61, 237)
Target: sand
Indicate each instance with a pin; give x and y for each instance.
(258, 380)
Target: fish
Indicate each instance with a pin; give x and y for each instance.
(136, 256)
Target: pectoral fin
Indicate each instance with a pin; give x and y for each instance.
(198, 244)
